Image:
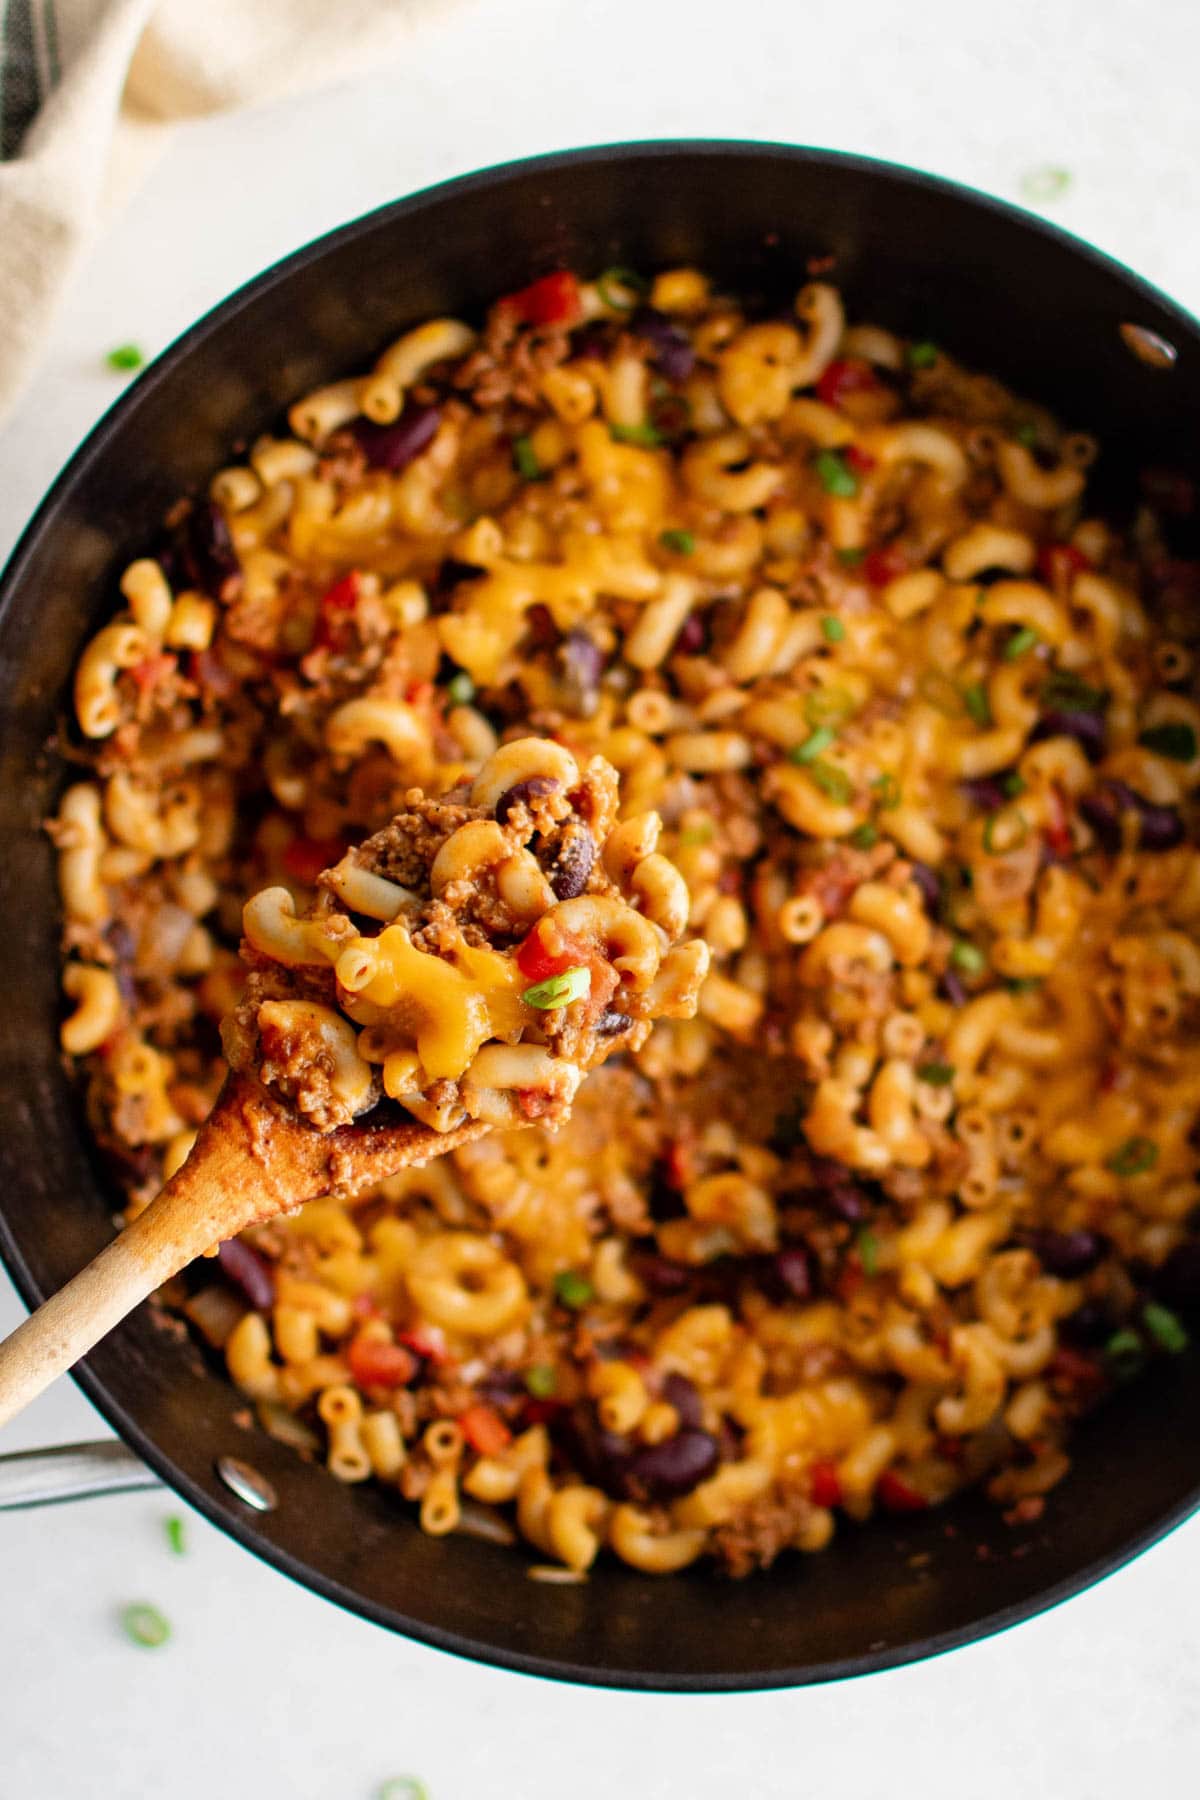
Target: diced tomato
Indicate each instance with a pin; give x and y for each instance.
(1057, 564)
(305, 858)
(861, 461)
(824, 1485)
(1056, 831)
(428, 1341)
(484, 1430)
(1075, 1368)
(896, 1494)
(675, 1166)
(336, 607)
(419, 693)
(850, 1280)
(848, 375)
(554, 300)
(950, 1447)
(541, 1412)
(149, 673)
(541, 956)
(376, 1363)
(884, 565)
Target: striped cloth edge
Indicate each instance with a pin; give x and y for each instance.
(29, 67)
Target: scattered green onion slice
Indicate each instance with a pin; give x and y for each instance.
(1020, 642)
(1137, 1156)
(1014, 785)
(681, 542)
(1027, 435)
(460, 689)
(610, 283)
(1126, 1349)
(573, 1289)
(125, 359)
(967, 958)
(1065, 692)
(867, 1245)
(975, 699)
(835, 475)
(828, 706)
(144, 1624)
(886, 790)
(812, 746)
(176, 1534)
(832, 630)
(922, 356)
(864, 837)
(1166, 1330)
(525, 460)
(541, 1380)
(559, 990)
(832, 781)
(852, 555)
(695, 835)
(936, 1074)
(636, 434)
(1176, 741)
(403, 1787)
(1023, 984)
(1049, 182)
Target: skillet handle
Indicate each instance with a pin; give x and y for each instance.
(70, 1472)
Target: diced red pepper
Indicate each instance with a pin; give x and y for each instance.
(884, 565)
(484, 1430)
(848, 375)
(860, 460)
(149, 673)
(824, 1485)
(554, 300)
(895, 1493)
(1057, 564)
(305, 858)
(376, 1363)
(336, 607)
(428, 1341)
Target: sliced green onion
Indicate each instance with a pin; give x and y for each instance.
(541, 1380)
(828, 706)
(832, 630)
(573, 1289)
(1049, 182)
(1126, 1350)
(559, 990)
(1020, 642)
(852, 556)
(695, 835)
(682, 543)
(975, 699)
(867, 1246)
(996, 827)
(1167, 1331)
(967, 958)
(403, 1787)
(1023, 984)
(936, 1074)
(1137, 1156)
(144, 1624)
(812, 746)
(176, 1534)
(1027, 435)
(835, 475)
(1176, 741)
(460, 689)
(1014, 785)
(636, 434)
(832, 781)
(886, 790)
(125, 358)
(611, 281)
(525, 460)
(1065, 692)
(864, 837)
(922, 356)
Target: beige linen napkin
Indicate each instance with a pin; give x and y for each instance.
(89, 90)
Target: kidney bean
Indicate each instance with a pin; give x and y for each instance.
(568, 873)
(952, 988)
(985, 792)
(206, 549)
(792, 1272)
(522, 792)
(674, 1467)
(929, 885)
(395, 446)
(582, 662)
(660, 1274)
(247, 1270)
(681, 1393)
(1066, 1253)
(1178, 1280)
(692, 637)
(1090, 1324)
(1159, 827)
(1086, 728)
(610, 1023)
(674, 356)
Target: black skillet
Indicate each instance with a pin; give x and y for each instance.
(998, 288)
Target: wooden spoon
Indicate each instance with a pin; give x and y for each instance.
(251, 1161)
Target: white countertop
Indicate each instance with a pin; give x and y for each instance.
(264, 1690)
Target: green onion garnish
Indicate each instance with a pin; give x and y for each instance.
(1176, 741)
(681, 542)
(1125, 1349)
(1020, 642)
(125, 358)
(611, 281)
(922, 356)
(1137, 1156)
(834, 474)
(867, 1246)
(832, 630)
(975, 700)
(852, 556)
(460, 689)
(636, 434)
(525, 460)
(832, 781)
(403, 1787)
(573, 1289)
(864, 837)
(1163, 1326)
(1065, 692)
(176, 1535)
(828, 706)
(812, 746)
(695, 835)
(1014, 785)
(967, 958)
(541, 1380)
(1027, 435)
(886, 790)
(145, 1625)
(1050, 182)
(1023, 984)
(936, 1074)
(559, 990)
